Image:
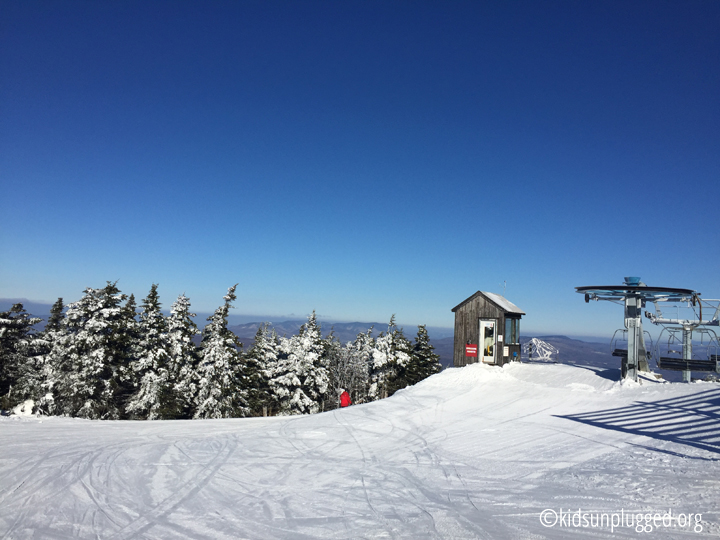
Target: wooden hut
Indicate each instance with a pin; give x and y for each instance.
(487, 329)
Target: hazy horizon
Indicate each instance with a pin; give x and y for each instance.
(361, 158)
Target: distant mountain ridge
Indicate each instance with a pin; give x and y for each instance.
(345, 331)
(572, 350)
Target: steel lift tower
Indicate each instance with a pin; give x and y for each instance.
(686, 326)
(634, 294)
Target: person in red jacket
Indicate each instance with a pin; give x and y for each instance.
(345, 399)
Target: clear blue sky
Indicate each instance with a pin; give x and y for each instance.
(361, 158)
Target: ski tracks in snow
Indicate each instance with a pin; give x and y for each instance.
(467, 454)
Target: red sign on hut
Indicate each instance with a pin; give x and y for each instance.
(471, 350)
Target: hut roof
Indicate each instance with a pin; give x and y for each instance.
(500, 301)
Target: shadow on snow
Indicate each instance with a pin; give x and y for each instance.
(689, 420)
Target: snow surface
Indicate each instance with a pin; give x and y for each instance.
(473, 452)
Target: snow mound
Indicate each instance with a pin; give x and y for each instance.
(473, 452)
(24, 409)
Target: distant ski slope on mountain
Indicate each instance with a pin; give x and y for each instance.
(573, 351)
(475, 452)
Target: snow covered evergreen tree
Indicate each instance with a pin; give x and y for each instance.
(92, 356)
(402, 352)
(57, 316)
(221, 388)
(154, 397)
(183, 355)
(50, 373)
(360, 352)
(285, 384)
(389, 359)
(337, 359)
(424, 362)
(128, 350)
(260, 362)
(300, 381)
(348, 366)
(19, 371)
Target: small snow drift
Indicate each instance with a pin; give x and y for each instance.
(24, 409)
(474, 452)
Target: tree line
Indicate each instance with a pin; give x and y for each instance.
(101, 358)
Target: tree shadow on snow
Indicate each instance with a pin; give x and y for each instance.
(690, 420)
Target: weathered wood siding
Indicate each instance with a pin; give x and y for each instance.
(467, 327)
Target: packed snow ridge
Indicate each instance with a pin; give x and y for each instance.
(523, 451)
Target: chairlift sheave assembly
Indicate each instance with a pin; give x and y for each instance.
(634, 355)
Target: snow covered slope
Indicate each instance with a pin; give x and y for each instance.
(474, 452)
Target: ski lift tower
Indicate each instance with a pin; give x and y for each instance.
(634, 294)
(676, 326)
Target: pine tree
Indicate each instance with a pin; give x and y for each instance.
(390, 357)
(49, 365)
(129, 349)
(337, 359)
(260, 364)
(313, 360)
(183, 355)
(402, 352)
(19, 371)
(424, 362)
(221, 391)
(360, 353)
(301, 380)
(56, 318)
(285, 383)
(154, 397)
(348, 366)
(92, 356)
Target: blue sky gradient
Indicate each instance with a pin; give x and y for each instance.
(361, 158)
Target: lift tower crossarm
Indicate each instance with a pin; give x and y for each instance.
(634, 295)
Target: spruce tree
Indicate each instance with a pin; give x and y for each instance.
(92, 356)
(129, 349)
(285, 383)
(337, 359)
(313, 359)
(402, 353)
(390, 357)
(424, 362)
(300, 381)
(183, 355)
(348, 366)
(154, 397)
(221, 390)
(19, 371)
(359, 353)
(50, 372)
(57, 315)
(260, 363)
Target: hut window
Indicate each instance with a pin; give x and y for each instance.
(512, 331)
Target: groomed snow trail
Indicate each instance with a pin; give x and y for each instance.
(476, 452)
